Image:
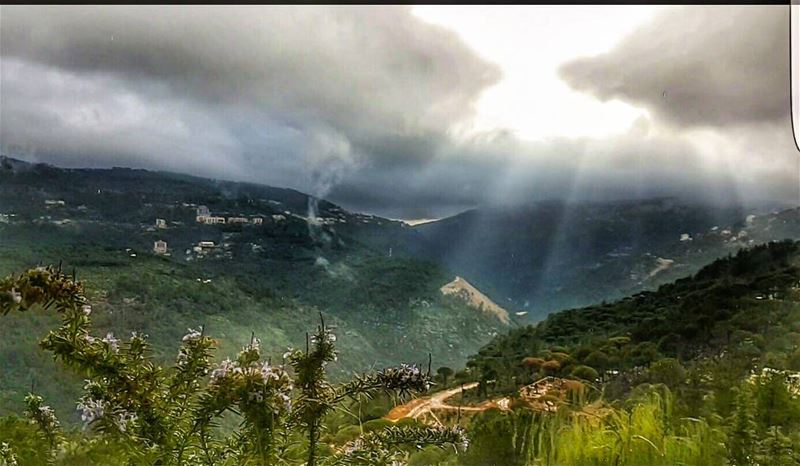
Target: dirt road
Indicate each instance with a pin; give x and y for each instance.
(533, 393)
(421, 406)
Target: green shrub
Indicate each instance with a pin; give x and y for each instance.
(170, 415)
(585, 373)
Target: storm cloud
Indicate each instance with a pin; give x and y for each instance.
(698, 66)
(361, 104)
(368, 85)
(717, 76)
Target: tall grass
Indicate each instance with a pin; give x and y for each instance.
(644, 434)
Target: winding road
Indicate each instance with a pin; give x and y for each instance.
(532, 393)
(421, 406)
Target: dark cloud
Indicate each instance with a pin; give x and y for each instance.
(639, 164)
(698, 66)
(358, 105)
(359, 69)
(345, 85)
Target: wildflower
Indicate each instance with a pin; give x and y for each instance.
(222, 370)
(43, 417)
(192, 335)
(86, 309)
(7, 455)
(91, 385)
(287, 401)
(267, 372)
(15, 296)
(91, 409)
(354, 446)
(125, 421)
(46, 410)
(112, 342)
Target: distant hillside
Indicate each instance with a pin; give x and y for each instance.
(747, 305)
(270, 269)
(552, 255)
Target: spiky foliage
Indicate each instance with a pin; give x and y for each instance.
(7, 455)
(382, 447)
(318, 397)
(45, 420)
(742, 438)
(169, 415)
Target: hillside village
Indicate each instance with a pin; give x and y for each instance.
(156, 211)
(165, 252)
(189, 219)
(190, 231)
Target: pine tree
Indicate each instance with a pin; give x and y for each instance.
(776, 448)
(741, 441)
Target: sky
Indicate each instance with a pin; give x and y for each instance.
(412, 112)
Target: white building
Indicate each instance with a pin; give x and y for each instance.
(160, 247)
(161, 223)
(204, 247)
(210, 220)
(203, 214)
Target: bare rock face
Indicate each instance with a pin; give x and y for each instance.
(472, 296)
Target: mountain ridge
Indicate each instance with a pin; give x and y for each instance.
(238, 278)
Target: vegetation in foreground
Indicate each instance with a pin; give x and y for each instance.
(703, 371)
(143, 413)
(391, 312)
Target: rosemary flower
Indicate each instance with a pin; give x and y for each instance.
(191, 335)
(112, 342)
(222, 370)
(91, 409)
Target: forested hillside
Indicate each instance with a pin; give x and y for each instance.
(720, 348)
(271, 279)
